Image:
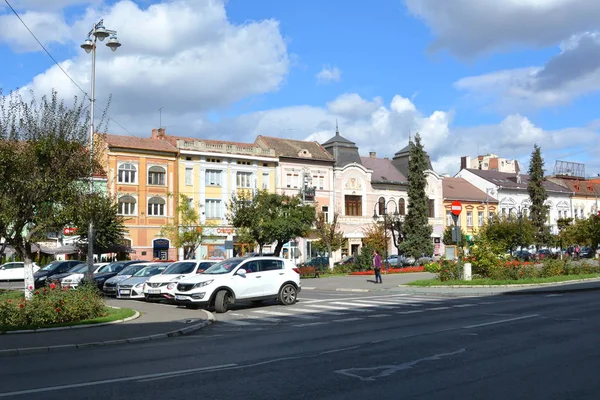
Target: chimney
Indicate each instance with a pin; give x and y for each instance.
(158, 133)
(518, 178)
(464, 163)
(372, 154)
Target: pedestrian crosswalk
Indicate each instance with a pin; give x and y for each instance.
(317, 312)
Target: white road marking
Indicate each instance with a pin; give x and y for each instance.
(237, 322)
(117, 380)
(362, 303)
(378, 315)
(410, 312)
(500, 321)
(437, 308)
(464, 305)
(347, 319)
(328, 307)
(282, 314)
(310, 324)
(364, 309)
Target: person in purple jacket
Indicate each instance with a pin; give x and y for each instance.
(377, 266)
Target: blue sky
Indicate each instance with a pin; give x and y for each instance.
(473, 77)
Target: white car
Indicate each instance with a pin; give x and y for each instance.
(73, 280)
(14, 271)
(162, 286)
(241, 279)
(133, 287)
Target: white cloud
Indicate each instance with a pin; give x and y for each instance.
(48, 27)
(182, 55)
(329, 74)
(572, 73)
(469, 28)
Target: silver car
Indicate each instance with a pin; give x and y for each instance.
(110, 286)
(133, 287)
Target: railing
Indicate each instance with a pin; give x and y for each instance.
(224, 148)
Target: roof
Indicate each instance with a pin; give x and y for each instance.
(173, 140)
(582, 187)
(509, 181)
(295, 148)
(383, 170)
(132, 142)
(461, 189)
(338, 139)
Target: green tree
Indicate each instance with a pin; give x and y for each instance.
(416, 225)
(538, 212)
(185, 231)
(42, 158)
(329, 236)
(374, 237)
(293, 219)
(508, 232)
(447, 238)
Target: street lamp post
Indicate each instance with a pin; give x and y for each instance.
(385, 222)
(520, 216)
(98, 32)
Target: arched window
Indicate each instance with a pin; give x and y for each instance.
(127, 173)
(401, 207)
(156, 206)
(381, 206)
(156, 176)
(126, 205)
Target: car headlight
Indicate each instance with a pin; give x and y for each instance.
(139, 285)
(42, 278)
(201, 284)
(171, 286)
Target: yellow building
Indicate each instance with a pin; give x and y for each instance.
(141, 175)
(477, 206)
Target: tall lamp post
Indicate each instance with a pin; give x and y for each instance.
(520, 217)
(385, 223)
(98, 32)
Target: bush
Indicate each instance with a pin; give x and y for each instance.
(308, 271)
(449, 270)
(484, 257)
(52, 305)
(553, 268)
(433, 267)
(343, 269)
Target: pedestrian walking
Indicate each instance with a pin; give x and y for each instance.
(577, 251)
(377, 266)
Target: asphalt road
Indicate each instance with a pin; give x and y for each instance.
(504, 347)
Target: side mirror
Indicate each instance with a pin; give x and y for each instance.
(241, 272)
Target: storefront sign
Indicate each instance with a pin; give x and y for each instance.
(219, 231)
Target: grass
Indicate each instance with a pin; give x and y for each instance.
(491, 282)
(10, 295)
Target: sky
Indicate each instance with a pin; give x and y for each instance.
(470, 76)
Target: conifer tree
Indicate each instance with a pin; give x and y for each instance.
(416, 225)
(538, 212)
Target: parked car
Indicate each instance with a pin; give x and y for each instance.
(392, 260)
(110, 285)
(82, 267)
(110, 270)
(241, 279)
(348, 260)
(74, 278)
(319, 263)
(162, 286)
(587, 252)
(15, 271)
(133, 287)
(543, 254)
(523, 255)
(54, 268)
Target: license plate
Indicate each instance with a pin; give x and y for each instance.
(124, 291)
(181, 298)
(154, 291)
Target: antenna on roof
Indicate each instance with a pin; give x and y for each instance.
(337, 130)
(160, 117)
(409, 137)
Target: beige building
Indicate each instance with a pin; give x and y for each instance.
(490, 162)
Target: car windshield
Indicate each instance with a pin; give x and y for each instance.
(130, 270)
(150, 271)
(223, 267)
(79, 268)
(51, 267)
(112, 267)
(185, 267)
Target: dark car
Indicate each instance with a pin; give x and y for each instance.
(586, 252)
(82, 267)
(543, 254)
(523, 255)
(348, 260)
(110, 270)
(54, 268)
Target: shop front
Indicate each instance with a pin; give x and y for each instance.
(218, 245)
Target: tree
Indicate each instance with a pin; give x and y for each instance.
(374, 237)
(447, 239)
(328, 234)
(42, 158)
(270, 217)
(416, 224)
(509, 232)
(186, 231)
(538, 212)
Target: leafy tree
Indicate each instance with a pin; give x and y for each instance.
(509, 232)
(582, 231)
(416, 224)
(186, 231)
(42, 157)
(447, 239)
(374, 237)
(329, 236)
(270, 217)
(538, 212)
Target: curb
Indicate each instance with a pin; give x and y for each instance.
(51, 349)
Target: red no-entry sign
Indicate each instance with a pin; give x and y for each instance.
(456, 208)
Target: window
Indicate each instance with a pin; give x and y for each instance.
(431, 208)
(575, 215)
(325, 210)
(480, 218)
(401, 207)
(156, 206)
(449, 220)
(156, 176)
(319, 181)
(381, 206)
(243, 179)
(126, 205)
(213, 160)
(469, 218)
(212, 209)
(265, 180)
(353, 205)
(212, 177)
(127, 173)
(188, 175)
(270, 265)
(292, 180)
(243, 162)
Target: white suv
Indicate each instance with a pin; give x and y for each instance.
(241, 279)
(162, 286)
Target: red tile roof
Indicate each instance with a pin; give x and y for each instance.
(132, 142)
(461, 189)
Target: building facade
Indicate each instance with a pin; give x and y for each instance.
(490, 162)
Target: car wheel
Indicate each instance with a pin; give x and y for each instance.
(287, 294)
(221, 301)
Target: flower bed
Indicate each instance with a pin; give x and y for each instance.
(51, 306)
(391, 271)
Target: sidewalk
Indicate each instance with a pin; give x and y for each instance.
(397, 283)
(155, 322)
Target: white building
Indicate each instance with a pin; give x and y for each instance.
(490, 162)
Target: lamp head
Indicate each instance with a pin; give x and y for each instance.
(100, 32)
(113, 43)
(87, 45)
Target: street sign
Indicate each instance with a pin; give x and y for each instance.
(456, 208)
(69, 231)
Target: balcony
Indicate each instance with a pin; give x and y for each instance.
(225, 148)
(308, 193)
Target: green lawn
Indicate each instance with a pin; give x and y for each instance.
(112, 314)
(490, 282)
